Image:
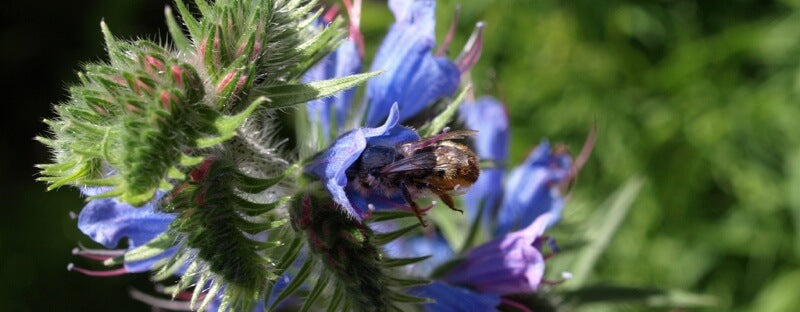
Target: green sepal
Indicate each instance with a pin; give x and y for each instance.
(289, 255)
(398, 262)
(191, 23)
(290, 94)
(336, 299)
(171, 267)
(178, 38)
(250, 184)
(297, 280)
(212, 292)
(406, 282)
(254, 209)
(442, 119)
(226, 126)
(386, 215)
(153, 248)
(404, 298)
(385, 238)
(444, 268)
(320, 284)
(115, 54)
(138, 197)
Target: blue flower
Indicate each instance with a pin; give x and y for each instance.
(489, 117)
(331, 165)
(414, 77)
(532, 189)
(509, 264)
(455, 299)
(107, 221)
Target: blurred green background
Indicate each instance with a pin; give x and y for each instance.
(698, 98)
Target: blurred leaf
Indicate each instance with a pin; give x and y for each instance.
(602, 229)
(780, 294)
(652, 297)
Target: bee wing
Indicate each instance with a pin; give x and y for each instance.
(423, 161)
(452, 135)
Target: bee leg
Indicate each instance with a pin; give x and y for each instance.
(449, 202)
(414, 207)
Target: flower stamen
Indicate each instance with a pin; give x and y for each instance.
(109, 273)
(450, 32)
(472, 50)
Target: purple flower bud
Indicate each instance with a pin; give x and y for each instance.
(532, 189)
(331, 165)
(414, 77)
(490, 118)
(452, 299)
(509, 264)
(107, 221)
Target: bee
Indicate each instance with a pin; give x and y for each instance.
(429, 167)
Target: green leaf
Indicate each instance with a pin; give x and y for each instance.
(180, 40)
(602, 229)
(440, 121)
(191, 23)
(288, 258)
(397, 262)
(115, 53)
(336, 299)
(406, 282)
(226, 126)
(291, 94)
(251, 185)
(253, 209)
(653, 297)
(212, 292)
(400, 297)
(297, 280)
(385, 238)
(319, 286)
(154, 247)
(205, 9)
(473, 228)
(386, 215)
(442, 270)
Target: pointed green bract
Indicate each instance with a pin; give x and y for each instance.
(440, 121)
(287, 95)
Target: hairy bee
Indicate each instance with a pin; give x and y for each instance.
(428, 167)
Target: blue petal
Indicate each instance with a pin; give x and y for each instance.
(487, 191)
(107, 221)
(414, 77)
(331, 165)
(490, 119)
(342, 62)
(532, 189)
(455, 299)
